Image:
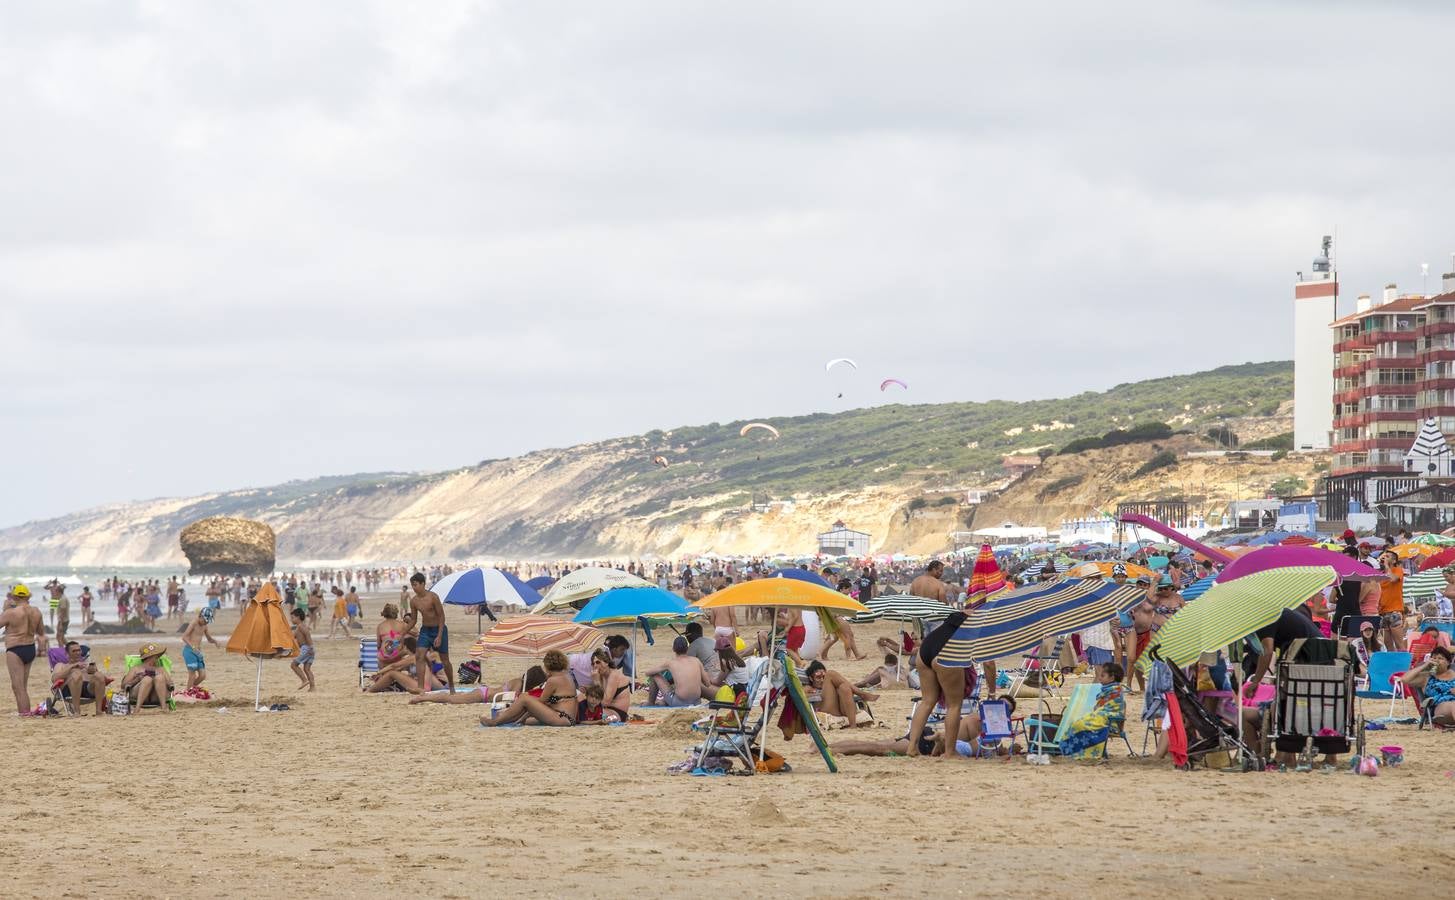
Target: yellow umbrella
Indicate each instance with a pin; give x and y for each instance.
(1093, 569)
(1408, 551)
(263, 633)
(781, 592)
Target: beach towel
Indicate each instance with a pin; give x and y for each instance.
(1159, 687)
(1176, 732)
(1087, 732)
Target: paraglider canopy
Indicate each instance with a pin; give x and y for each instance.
(751, 425)
(660, 461)
(884, 385)
(828, 366)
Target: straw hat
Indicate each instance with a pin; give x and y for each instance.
(150, 650)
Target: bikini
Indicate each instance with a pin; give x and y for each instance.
(552, 700)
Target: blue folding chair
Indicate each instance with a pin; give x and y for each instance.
(1383, 667)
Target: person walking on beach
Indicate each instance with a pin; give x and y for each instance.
(192, 640)
(427, 609)
(24, 635)
(303, 664)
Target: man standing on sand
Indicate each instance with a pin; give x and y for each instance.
(929, 585)
(425, 606)
(24, 635)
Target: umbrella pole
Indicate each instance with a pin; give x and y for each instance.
(258, 685)
(768, 694)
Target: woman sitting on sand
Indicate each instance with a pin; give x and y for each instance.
(557, 706)
(389, 635)
(400, 674)
(835, 694)
(616, 688)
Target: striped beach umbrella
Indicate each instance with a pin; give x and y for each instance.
(1231, 610)
(1423, 586)
(1107, 569)
(480, 587)
(1017, 621)
(986, 578)
(1197, 588)
(533, 636)
(903, 608)
(583, 584)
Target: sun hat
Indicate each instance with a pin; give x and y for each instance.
(151, 649)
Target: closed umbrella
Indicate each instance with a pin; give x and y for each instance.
(534, 636)
(263, 633)
(986, 578)
(583, 584)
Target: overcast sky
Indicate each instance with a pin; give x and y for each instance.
(247, 242)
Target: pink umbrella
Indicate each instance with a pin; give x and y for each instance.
(1267, 558)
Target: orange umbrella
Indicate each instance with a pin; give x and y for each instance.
(1408, 551)
(263, 633)
(534, 636)
(781, 592)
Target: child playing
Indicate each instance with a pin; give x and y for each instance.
(592, 712)
(192, 640)
(340, 613)
(303, 664)
(1094, 729)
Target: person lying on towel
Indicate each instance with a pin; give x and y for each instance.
(1093, 729)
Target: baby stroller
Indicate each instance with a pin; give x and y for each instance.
(1206, 733)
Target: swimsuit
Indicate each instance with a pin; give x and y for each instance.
(192, 658)
(935, 641)
(305, 654)
(26, 652)
(796, 636)
(435, 637)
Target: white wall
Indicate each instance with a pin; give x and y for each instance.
(1313, 372)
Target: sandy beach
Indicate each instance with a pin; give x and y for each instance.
(353, 795)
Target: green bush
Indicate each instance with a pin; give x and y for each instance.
(1161, 461)
(1277, 442)
(1059, 485)
(918, 503)
(1288, 487)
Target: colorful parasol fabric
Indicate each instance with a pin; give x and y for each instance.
(535, 635)
(1017, 621)
(986, 578)
(263, 629)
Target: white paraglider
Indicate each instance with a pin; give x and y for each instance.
(751, 425)
(829, 366)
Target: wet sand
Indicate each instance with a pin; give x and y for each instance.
(348, 795)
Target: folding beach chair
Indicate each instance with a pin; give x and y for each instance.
(368, 658)
(1384, 669)
(1044, 667)
(165, 662)
(995, 726)
(735, 727)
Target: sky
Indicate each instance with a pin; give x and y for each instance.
(248, 242)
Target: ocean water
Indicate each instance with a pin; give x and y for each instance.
(36, 577)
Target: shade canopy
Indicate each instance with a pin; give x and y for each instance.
(583, 584)
(803, 575)
(1231, 610)
(1015, 622)
(903, 608)
(263, 629)
(534, 636)
(1296, 557)
(1105, 569)
(1196, 589)
(626, 605)
(780, 592)
(489, 587)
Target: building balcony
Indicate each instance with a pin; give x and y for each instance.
(1352, 370)
(1362, 342)
(1432, 328)
(1438, 384)
(1408, 361)
(1389, 390)
(1365, 469)
(1438, 354)
(1366, 444)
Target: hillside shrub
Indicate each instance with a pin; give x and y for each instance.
(1137, 434)
(1059, 485)
(1161, 461)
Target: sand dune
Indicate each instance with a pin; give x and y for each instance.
(364, 795)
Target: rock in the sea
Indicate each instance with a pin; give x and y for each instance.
(130, 626)
(226, 546)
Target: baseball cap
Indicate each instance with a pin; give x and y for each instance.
(1143, 579)
(21, 591)
(1348, 533)
(1166, 581)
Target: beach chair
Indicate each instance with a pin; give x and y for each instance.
(733, 728)
(995, 726)
(132, 661)
(368, 659)
(1314, 708)
(1045, 667)
(1384, 668)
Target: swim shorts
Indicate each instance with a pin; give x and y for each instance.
(353, 610)
(305, 654)
(428, 635)
(1391, 619)
(193, 659)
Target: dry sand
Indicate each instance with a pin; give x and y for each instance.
(349, 795)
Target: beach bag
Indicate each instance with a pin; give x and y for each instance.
(771, 762)
(469, 672)
(120, 704)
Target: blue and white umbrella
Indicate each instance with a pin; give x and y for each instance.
(1197, 588)
(803, 575)
(483, 588)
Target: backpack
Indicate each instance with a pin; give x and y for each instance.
(469, 672)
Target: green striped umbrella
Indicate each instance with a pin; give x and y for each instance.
(1233, 609)
(1423, 585)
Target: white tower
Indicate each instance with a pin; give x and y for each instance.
(1315, 298)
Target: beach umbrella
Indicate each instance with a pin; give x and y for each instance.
(1422, 586)
(481, 587)
(986, 578)
(1440, 560)
(1015, 622)
(1298, 540)
(540, 582)
(803, 575)
(1196, 589)
(533, 636)
(263, 633)
(1231, 610)
(1104, 569)
(903, 608)
(583, 584)
(1438, 540)
(1270, 558)
(777, 593)
(632, 605)
(1409, 551)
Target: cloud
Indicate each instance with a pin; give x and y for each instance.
(249, 242)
